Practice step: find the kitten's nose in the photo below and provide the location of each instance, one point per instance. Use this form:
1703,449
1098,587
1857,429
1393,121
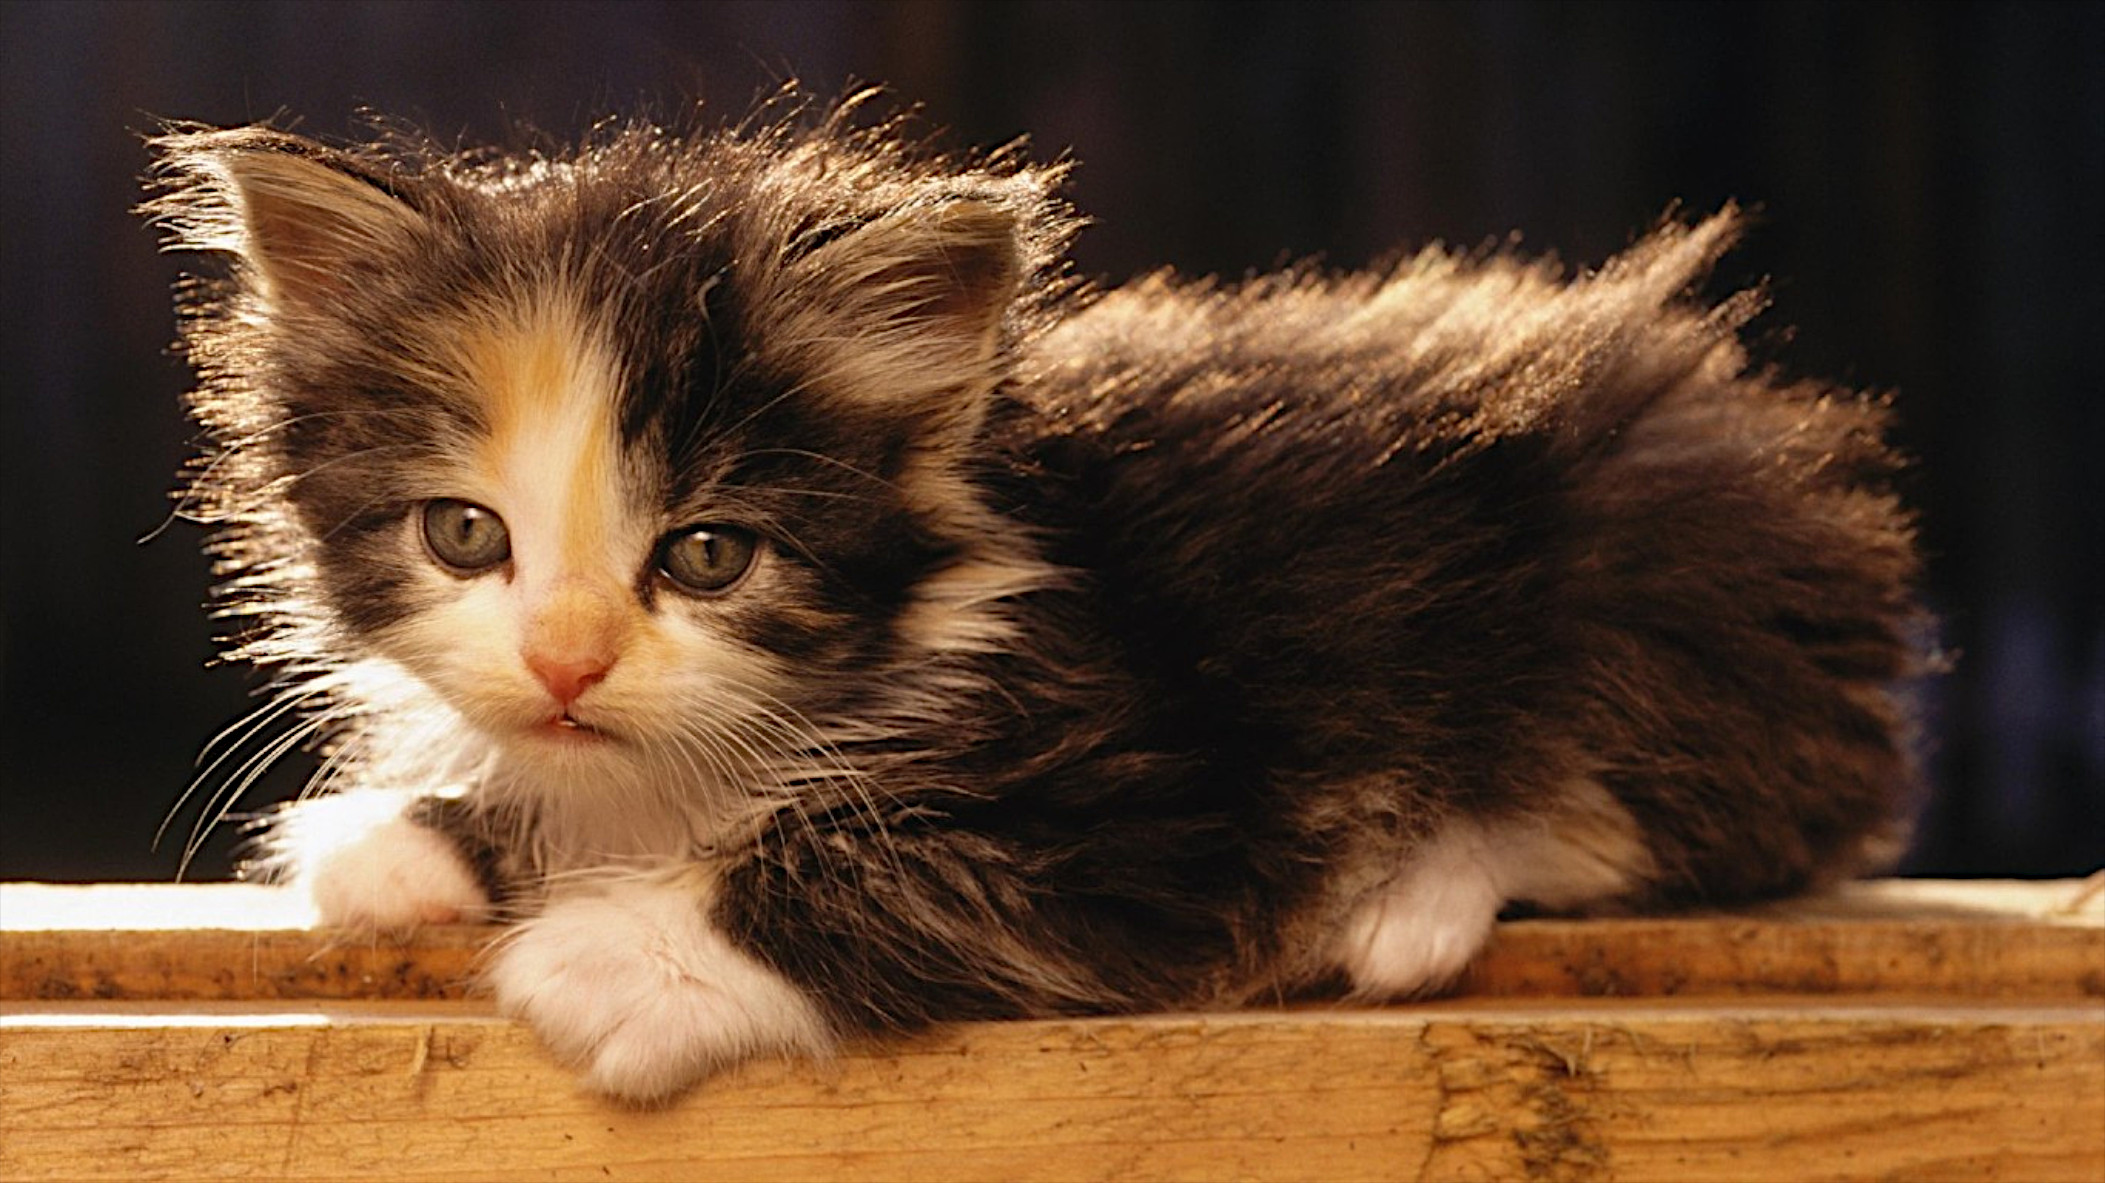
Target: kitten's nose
567,677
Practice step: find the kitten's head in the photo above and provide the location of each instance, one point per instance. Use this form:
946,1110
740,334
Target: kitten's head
638,456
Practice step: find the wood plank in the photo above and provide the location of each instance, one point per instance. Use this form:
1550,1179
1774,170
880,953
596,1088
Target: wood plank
1982,940
1762,1089
1897,1029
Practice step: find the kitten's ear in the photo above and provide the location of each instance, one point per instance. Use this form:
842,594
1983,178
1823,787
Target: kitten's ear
908,307
954,268
299,214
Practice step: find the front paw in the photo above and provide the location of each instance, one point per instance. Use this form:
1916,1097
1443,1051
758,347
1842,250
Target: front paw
364,865
628,980
1417,934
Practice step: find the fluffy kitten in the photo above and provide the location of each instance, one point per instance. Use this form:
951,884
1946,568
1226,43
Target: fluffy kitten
746,565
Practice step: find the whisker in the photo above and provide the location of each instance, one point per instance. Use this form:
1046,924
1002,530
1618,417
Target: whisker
248,726
790,392
245,778
821,457
771,718
200,480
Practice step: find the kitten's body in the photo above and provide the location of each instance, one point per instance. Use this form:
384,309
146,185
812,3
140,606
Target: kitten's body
1178,646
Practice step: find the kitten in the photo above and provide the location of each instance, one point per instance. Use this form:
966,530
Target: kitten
746,564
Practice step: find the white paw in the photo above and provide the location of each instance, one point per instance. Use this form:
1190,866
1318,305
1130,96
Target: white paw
365,866
1418,933
627,980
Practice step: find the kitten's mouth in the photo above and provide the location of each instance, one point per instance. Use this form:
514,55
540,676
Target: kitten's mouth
564,728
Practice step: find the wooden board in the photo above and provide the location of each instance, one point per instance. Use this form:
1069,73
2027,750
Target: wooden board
1629,1051
1482,1091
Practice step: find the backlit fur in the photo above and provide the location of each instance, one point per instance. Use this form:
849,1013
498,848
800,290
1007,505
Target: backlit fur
1182,644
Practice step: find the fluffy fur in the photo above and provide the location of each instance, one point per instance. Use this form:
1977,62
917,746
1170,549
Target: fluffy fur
1186,644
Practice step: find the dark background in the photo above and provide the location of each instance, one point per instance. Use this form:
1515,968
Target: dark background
1929,178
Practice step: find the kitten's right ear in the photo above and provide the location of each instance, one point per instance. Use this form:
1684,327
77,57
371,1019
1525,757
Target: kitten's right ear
299,214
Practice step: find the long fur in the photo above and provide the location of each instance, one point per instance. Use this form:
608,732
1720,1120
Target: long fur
1187,643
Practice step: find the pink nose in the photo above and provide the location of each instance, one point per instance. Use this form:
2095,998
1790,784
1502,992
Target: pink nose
567,678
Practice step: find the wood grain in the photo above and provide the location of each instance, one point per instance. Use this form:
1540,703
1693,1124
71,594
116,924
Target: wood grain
1459,1091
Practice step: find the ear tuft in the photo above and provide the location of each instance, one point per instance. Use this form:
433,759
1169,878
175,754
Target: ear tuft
299,214
969,273
945,272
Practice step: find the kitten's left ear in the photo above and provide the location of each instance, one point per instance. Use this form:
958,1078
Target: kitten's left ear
300,214
908,308
953,269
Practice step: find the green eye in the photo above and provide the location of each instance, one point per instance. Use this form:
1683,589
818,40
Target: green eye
464,537
704,559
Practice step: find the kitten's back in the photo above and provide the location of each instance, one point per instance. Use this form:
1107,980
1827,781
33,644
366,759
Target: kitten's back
1489,535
